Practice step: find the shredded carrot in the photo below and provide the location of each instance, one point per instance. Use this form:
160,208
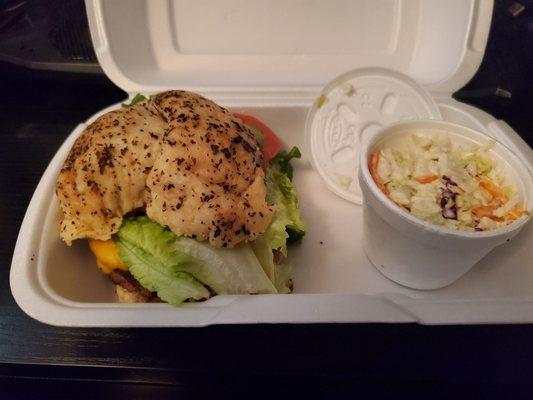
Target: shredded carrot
373,168
425,179
494,191
486,211
515,213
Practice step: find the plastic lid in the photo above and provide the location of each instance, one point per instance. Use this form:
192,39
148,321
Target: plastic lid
350,110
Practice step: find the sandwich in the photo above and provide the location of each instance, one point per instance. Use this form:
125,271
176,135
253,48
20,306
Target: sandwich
181,200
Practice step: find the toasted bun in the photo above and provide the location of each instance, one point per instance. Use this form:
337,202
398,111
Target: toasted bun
190,163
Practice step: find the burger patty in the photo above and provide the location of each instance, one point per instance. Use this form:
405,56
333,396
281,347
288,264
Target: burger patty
134,291
190,163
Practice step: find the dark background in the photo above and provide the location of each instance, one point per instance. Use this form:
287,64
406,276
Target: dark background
38,109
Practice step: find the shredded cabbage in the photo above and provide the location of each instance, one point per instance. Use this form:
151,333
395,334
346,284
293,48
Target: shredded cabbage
459,187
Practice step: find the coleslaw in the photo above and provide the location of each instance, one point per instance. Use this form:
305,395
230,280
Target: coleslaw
460,187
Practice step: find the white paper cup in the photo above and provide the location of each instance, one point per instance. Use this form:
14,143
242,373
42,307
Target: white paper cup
418,254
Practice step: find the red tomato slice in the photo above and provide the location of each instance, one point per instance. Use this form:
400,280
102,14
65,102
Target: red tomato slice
271,145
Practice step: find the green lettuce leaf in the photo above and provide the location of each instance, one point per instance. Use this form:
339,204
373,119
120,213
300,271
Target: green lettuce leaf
137,99
172,266
282,161
146,248
295,235
287,226
225,271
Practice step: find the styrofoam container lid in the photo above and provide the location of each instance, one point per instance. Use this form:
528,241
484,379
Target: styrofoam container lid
349,111
283,52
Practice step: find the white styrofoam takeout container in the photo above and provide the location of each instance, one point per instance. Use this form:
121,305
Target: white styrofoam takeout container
421,255
271,59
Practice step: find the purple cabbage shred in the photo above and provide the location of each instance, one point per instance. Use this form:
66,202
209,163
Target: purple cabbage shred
447,202
449,181
450,212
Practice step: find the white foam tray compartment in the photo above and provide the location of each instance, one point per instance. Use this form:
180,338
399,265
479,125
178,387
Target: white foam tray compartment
277,80
333,279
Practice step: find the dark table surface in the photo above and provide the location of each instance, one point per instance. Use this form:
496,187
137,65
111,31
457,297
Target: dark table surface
39,110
